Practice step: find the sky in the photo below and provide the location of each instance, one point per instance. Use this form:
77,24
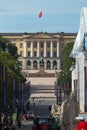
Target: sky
57,15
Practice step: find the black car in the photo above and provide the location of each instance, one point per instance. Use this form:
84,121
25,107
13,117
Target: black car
44,123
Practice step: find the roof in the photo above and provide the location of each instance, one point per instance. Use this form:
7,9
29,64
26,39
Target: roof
79,118
82,31
37,33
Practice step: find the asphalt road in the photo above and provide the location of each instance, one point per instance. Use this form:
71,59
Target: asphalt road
41,97
27,125
44,96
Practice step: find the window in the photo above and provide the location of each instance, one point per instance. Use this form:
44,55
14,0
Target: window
28,63
29,44
48,44
35,45
35,65
48,65
28,53
20,45
35,53
54,65
14,44
54,54
62,45
21,53
48,54
42,53
55,44
41,44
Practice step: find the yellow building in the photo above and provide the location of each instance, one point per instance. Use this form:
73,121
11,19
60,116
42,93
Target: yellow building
33,46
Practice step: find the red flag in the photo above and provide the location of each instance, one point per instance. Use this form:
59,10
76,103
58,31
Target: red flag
40,14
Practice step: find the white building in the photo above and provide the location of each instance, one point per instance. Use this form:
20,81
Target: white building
79,71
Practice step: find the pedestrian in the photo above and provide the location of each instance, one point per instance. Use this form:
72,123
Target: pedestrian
19,118
2,120
25,116
14,118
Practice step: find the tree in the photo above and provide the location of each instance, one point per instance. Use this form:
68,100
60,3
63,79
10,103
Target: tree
8,58
65,74
5,45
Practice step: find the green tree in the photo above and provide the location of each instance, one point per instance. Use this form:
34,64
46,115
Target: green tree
65,74
8,58
5,45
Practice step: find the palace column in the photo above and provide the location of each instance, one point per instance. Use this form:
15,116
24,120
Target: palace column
25,54
38,49
57,49
45,49
31,49
25,49
51,49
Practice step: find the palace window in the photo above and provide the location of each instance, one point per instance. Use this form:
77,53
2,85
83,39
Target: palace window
35,45
62,45
21,45
29,63
42,53
35,65
48,44
35,53
48,53
21,53
29,53
54,44
54,64
54,54
14,44
29,44
41,44
48,65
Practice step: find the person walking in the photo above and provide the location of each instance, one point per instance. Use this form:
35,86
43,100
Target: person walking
19,119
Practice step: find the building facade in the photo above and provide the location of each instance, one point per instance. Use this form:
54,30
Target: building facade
32,47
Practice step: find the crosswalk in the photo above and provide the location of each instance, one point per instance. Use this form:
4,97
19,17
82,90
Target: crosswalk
42,92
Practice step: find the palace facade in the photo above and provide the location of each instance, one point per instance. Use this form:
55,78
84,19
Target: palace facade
34,46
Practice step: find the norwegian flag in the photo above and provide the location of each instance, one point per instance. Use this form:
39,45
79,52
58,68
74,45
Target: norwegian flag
40,14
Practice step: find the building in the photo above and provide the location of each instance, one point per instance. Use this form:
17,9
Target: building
79,72
34,47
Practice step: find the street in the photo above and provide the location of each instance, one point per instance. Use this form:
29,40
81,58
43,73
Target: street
27,125
43,98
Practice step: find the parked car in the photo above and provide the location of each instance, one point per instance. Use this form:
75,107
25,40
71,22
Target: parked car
44,123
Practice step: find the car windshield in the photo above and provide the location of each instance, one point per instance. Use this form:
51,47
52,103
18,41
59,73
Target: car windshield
43,120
